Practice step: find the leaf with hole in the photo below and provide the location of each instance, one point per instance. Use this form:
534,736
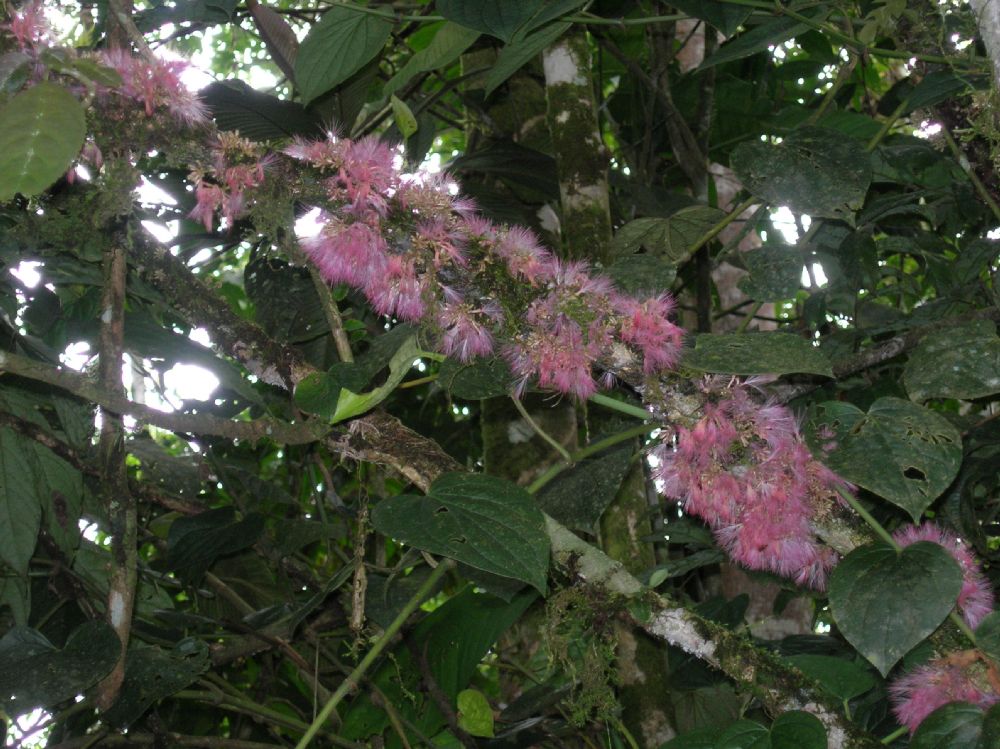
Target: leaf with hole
903,452
41,132
338,46
483,521
814,171
885,602
961,362
756,353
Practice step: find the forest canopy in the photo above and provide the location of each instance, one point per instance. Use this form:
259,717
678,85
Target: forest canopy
500,374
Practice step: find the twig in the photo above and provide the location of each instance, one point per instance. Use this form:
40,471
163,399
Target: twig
538,430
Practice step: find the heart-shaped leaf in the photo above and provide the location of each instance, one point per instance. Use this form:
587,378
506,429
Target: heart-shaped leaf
483,521
957,725
885,602
898,450
756,353
496,19
41,132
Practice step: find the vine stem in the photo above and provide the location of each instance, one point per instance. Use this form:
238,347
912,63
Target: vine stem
538,430
620,406
354,677
586,452
734,214
963,162
894,735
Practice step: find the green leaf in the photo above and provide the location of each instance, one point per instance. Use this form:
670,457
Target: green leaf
256,115
699,738
671,237
726,17
844,679
20,510
939,85
338,46
152,673
496,19
814,171
775,272
15,67
798,730
195,542
33,673
578,497
957,725
645,273
483,521
480,378
756,353
961,362
757,39
678,567
515,55
898,450
15,594
404,118
988,635
475,715
885,602
450,41
41,132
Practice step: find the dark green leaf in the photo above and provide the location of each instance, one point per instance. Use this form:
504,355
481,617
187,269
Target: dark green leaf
744,734
898,450
814,171
757,39
797,730
480,378
957,725
403,116
939,85
961,362
988,635
844,679
195,542
512,162
684,565
775,272
699,738
14,70
578,497
257,116
33,673
20,509
15,595
41,132
483,521
496,19
152,673
338,46
706,706
642,274
726,17
885,602
671,237
756,353
521,51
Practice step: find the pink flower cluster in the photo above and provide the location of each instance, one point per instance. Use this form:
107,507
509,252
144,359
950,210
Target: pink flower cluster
237,166
28,25
960,677
744,469
976,599
155,84
420,254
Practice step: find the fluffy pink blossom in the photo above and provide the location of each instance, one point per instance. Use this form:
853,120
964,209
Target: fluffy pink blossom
976,598
209,197
348,253
466,330
645,324
560,359
325,153
156,85
445,243
744,469
959,677
398,290
525,256
28,25
366,175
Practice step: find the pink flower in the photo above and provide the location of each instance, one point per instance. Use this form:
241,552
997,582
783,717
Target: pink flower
347,253
525,256
466,332
645,325
367,175
28,25
976,599
959,677
326,153
445,243
398,290
156,85
209,199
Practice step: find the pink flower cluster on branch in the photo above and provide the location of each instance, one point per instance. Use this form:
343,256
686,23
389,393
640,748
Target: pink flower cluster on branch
237,167
965,676
420,254
744,469
156,85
